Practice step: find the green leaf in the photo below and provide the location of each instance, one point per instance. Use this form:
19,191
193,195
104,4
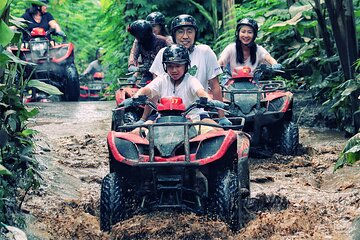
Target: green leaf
292,22
6,34
2,6
4,138
203,11
49,89
349,90
4,171
354,149
351,152
9,56
298,9
29,132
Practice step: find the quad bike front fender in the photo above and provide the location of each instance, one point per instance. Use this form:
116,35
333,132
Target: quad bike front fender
132,149
286,99
123,93
62,53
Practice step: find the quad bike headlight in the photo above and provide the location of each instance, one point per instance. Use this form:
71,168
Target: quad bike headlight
40,48
127,149
209,147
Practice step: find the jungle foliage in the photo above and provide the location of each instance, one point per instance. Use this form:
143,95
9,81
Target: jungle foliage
298,34
18,168
350,154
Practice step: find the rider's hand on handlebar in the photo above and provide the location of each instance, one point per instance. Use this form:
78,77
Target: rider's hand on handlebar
61,33
217,104
277,66
132,68
127,102
224,121
131,79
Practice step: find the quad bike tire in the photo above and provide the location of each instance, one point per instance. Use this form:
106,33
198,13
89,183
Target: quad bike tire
227,199
115,120
289,138
71,85
112,201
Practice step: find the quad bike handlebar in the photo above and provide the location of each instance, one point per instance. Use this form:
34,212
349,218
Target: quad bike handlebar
264,70
52,31
200,103
138,69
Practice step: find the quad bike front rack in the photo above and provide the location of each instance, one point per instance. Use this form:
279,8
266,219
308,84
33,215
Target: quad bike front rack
187,125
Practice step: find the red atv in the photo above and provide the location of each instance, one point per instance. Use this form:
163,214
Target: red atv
266,106
93,90
54,63
175,163
130,115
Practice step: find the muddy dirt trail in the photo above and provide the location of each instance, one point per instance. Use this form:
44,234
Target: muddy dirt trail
291,197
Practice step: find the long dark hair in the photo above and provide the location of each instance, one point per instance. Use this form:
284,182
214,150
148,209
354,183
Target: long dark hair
163,31
34,9
240,54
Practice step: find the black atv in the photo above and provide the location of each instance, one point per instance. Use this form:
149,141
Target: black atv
54,63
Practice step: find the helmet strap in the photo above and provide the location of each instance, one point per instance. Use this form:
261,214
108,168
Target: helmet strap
191,49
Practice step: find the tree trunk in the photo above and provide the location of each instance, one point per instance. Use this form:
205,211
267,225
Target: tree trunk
228,14
341,13
215,18
325,34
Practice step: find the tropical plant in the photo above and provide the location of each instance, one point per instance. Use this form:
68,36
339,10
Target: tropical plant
17,166
351,152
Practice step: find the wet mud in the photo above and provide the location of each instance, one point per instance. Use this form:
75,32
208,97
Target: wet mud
292,197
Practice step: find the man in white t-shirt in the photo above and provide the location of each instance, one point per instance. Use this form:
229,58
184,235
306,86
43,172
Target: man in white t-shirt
176,81
203,60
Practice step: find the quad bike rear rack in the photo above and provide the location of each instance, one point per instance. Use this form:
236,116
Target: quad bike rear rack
266,86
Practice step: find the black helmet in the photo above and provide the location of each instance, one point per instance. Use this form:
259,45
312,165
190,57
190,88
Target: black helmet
248,22
176,54
140,29
182,21
156,18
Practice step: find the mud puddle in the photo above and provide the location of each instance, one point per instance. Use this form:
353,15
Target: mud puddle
291,197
